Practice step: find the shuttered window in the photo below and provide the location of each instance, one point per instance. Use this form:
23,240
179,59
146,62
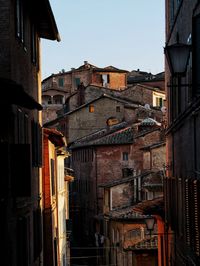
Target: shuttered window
20,170
36,144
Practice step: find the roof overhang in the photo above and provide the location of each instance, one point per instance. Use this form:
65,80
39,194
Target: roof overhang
45,21
55,136
151,207
13,93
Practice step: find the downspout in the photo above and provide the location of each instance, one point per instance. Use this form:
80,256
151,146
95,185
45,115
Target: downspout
56,189
96,180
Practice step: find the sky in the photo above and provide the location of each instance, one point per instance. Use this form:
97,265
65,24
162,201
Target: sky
127,34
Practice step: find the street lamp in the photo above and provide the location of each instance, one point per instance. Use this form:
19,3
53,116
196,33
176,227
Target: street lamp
177,57
150,222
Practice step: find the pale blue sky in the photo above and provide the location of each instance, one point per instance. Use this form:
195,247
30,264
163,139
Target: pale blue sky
128,34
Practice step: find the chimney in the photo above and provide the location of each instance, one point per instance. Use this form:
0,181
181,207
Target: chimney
85,62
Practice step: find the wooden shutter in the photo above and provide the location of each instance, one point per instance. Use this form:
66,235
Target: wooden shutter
20,170
4,180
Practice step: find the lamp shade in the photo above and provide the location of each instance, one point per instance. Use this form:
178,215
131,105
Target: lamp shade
177,57
150,221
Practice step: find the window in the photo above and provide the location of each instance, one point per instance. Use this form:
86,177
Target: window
91,108
105,79
77,82
58,99
125,156
159,101
127,172
175,98
20,25
61,82
117,108
50,100
33,45
36,144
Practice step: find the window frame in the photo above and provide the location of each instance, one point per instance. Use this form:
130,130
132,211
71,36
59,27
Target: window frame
125,156
91,108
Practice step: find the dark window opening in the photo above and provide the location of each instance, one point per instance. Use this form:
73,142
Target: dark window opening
61,82
105,79
125,156
19,11
77,82
33,45
127,172
117,108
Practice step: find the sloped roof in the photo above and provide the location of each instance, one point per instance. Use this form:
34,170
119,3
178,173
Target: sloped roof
154,145
86,66
123,136
55,136
126,213
100,69
151,207
118,99
101,132
46,25
149,122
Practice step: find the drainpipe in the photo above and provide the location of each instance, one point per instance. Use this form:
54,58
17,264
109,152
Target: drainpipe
96,180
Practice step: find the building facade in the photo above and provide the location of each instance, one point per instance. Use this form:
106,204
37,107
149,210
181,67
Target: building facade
112,158
57,88
21,27
183,145
55,200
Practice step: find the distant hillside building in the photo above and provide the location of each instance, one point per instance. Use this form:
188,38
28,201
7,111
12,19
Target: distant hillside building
58,87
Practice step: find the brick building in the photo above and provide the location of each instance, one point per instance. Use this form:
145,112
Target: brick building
183,142
138,103
151,94
126,239
58,87
135,77
21,27
109,156
55,199
124,229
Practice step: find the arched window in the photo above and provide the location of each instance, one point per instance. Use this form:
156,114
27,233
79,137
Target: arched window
46,99
58,99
